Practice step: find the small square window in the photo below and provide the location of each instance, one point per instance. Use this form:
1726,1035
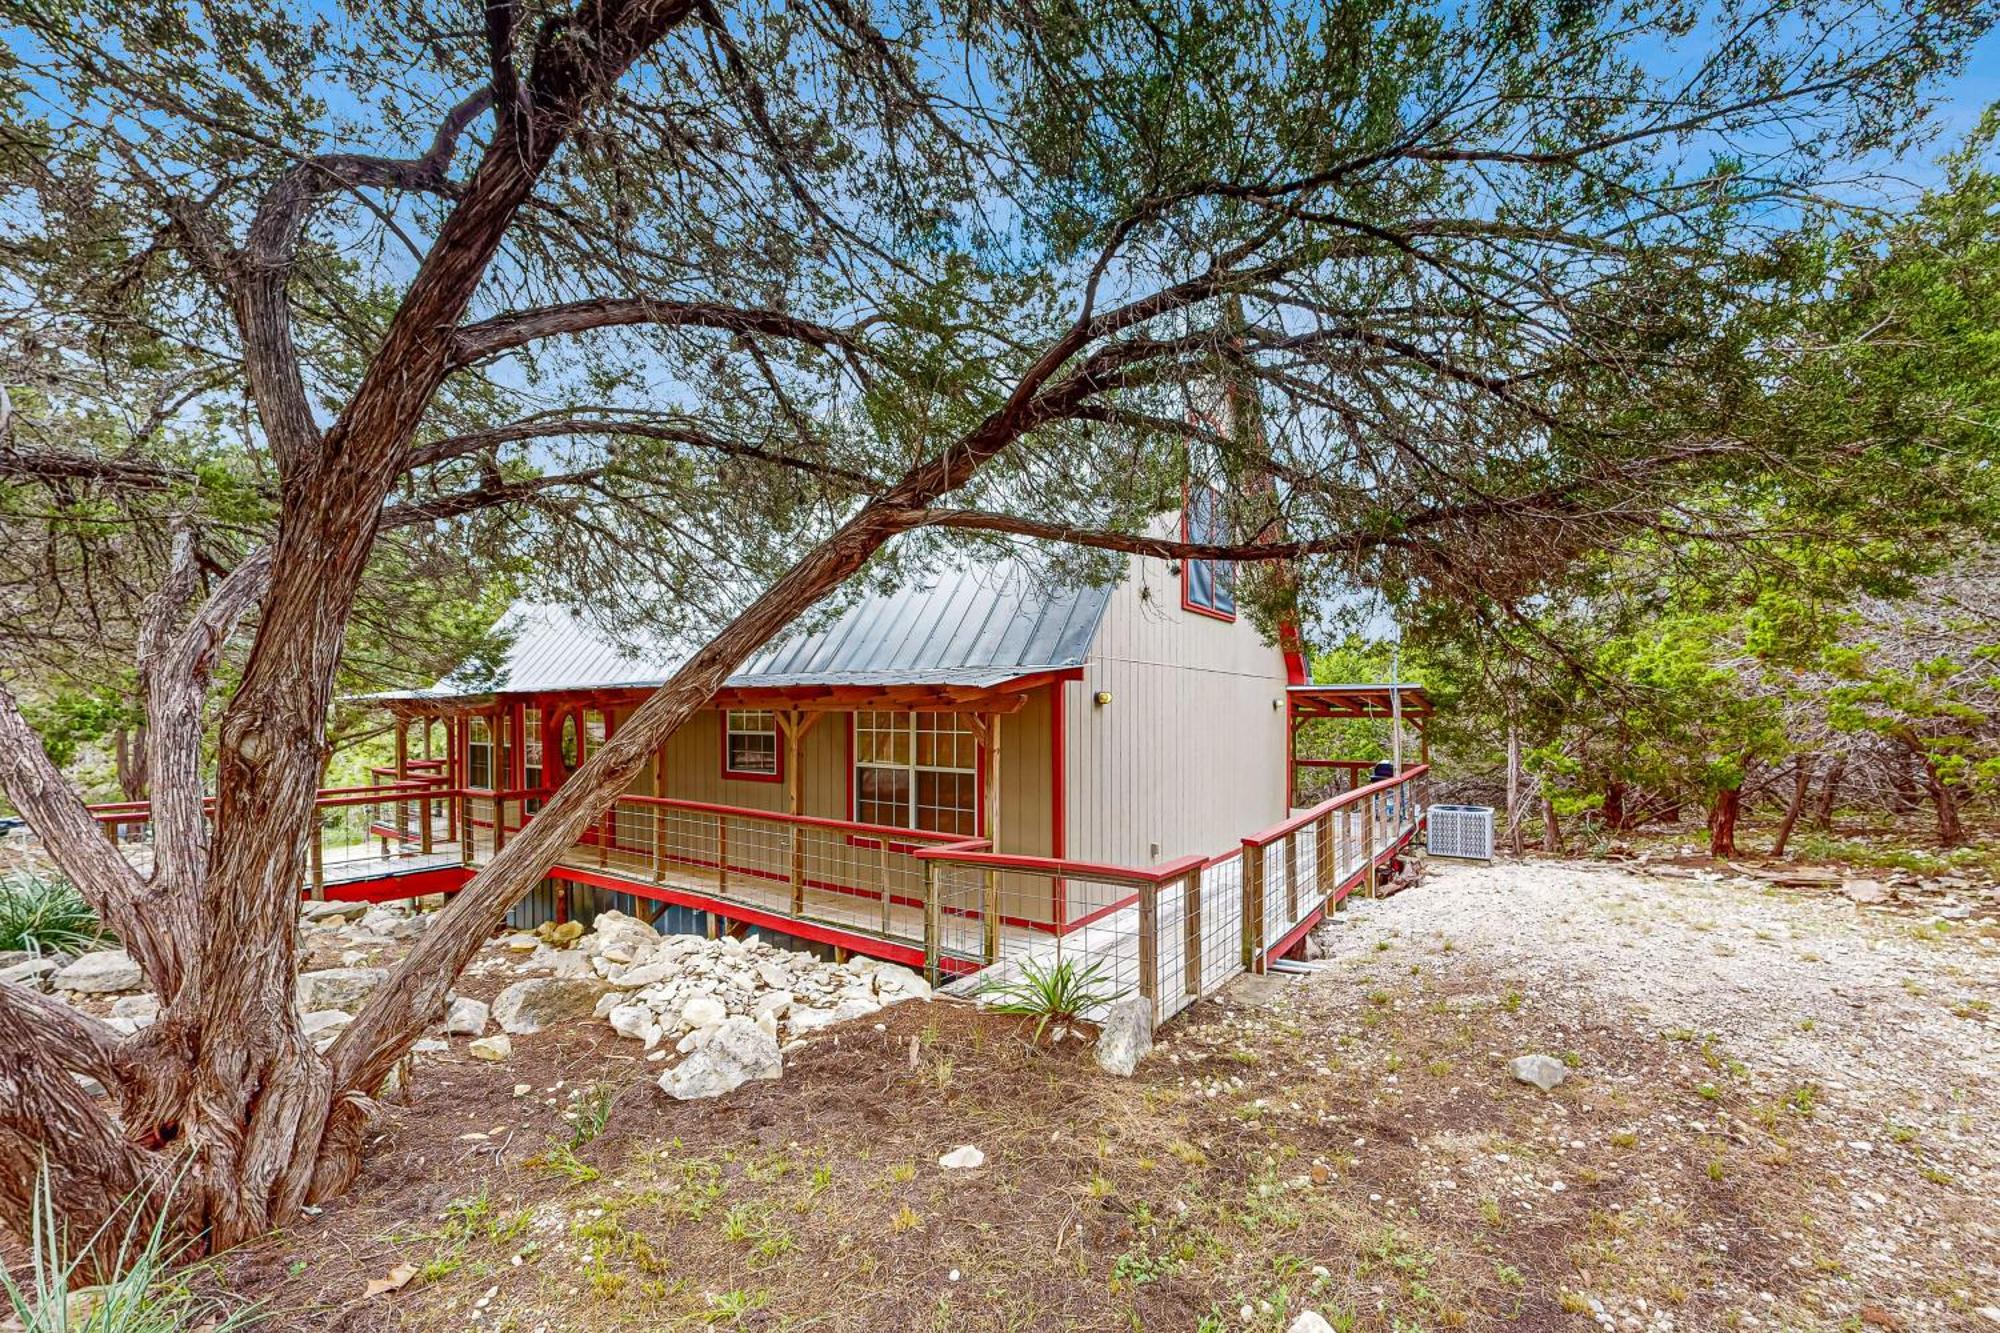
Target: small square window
750,743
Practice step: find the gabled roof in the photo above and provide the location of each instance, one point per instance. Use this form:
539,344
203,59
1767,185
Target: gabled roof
968,627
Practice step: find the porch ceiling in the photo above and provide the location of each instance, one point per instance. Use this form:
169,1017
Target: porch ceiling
1359,701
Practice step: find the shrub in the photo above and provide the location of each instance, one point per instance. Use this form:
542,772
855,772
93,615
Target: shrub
1062,992
45,914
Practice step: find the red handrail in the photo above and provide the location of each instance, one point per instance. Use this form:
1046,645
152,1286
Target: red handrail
780,816
1355,797
967,853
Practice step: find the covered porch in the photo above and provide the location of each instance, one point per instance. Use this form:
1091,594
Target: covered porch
1313,775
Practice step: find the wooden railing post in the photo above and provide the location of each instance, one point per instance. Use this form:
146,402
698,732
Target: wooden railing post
1191,922
722,853
1253,908
1292,878
1326,864
424,834
1368,844
1149,946
499,823
462,810
882,870
931,922
606,823
319,857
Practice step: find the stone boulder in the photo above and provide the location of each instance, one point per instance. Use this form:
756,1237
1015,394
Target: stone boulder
496,1047
617,932
337,987
31,972
466,1017
529,1006
107,972
1543,1071
1125,1035
737,1051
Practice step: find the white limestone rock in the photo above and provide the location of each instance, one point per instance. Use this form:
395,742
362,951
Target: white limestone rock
31,972
106,972
496,1047
773,1002
1310,1321
529,1006
1543,1071
621,933
737,1051
637,1022
337,987
324,1020
1125,1035
466,1017
142,1008
965,1157
703,1011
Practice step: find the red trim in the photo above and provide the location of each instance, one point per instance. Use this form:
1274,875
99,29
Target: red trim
388,888
1295,934
733,775
1186,578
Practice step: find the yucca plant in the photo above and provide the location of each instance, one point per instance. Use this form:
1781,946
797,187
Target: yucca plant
1060,992
144,1296
45,914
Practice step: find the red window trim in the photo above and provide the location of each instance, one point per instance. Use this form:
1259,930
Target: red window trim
737,775
1188,603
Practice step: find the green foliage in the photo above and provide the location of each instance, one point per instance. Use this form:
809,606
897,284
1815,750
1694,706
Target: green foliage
46,1295
1059,992
44,913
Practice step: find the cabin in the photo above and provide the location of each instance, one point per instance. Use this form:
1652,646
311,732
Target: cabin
976,767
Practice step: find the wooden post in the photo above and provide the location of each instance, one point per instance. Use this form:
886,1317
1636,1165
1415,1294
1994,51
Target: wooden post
1149,946
991,916
319,857
660,814
1368,844
1292,877
1253,908
931,922
1326,861
402,776
1191,920
882,872
722,853
795,724
499,822
455,774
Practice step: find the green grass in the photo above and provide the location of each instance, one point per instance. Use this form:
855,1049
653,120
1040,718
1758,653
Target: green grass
45,914
48,1293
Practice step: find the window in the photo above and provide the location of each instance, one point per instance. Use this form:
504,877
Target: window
916,770
594,731
531,756
750,744
1207,586
479,754
566,744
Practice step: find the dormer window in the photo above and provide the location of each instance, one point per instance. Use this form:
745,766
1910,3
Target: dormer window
1207,586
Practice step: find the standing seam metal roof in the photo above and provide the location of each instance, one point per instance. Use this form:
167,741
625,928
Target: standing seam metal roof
976,627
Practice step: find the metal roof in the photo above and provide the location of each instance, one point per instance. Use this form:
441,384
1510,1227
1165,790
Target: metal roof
973,627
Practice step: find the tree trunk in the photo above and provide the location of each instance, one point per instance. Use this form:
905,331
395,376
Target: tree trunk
1514,788
1614,807
1722,822
128,747
1552,838
1829,792
1950,829
1802,772
1907,791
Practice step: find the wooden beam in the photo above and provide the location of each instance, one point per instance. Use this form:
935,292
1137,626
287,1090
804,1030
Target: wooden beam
991,728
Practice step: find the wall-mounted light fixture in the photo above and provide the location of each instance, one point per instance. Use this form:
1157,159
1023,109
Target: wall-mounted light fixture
1103,697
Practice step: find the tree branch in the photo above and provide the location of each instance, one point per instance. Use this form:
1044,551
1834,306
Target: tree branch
490,337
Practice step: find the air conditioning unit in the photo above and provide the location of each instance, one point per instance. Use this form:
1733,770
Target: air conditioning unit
1462,831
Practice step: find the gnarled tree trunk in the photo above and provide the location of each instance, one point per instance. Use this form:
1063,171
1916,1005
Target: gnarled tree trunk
1802,773
1722,813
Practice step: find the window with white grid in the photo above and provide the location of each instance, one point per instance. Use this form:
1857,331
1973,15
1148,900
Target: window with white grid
531,755
750,743
916,770
479,754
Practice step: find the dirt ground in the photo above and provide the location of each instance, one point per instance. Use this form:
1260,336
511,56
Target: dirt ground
1780,1113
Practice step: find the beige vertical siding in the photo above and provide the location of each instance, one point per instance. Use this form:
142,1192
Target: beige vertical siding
1189,755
